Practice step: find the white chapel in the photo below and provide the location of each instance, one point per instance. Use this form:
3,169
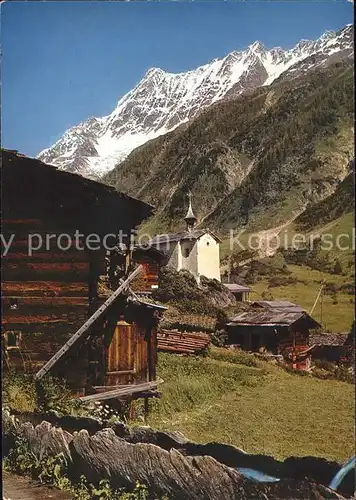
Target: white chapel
196,250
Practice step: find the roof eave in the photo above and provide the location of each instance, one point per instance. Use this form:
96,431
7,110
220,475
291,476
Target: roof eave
145,207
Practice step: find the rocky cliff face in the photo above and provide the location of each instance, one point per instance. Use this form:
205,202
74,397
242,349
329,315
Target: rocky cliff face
162,101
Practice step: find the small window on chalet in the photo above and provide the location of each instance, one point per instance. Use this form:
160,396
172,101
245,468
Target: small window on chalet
207,243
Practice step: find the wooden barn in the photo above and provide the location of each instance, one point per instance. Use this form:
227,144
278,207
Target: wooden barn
329,346
57,228
275,332
240,292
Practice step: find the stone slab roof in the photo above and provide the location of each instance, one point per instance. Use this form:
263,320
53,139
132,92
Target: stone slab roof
330,339
280,305
234,287
271,318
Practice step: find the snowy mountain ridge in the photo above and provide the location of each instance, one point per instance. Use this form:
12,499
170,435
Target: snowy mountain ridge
162,101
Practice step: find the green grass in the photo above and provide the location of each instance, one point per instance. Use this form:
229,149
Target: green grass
193,380
335,317
261,408
342,226
19,391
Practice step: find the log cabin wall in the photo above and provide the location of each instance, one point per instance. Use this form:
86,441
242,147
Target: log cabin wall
276,339
148,279
295,341
331,353
251,338
296,336
292,337
150,273
48,295
151,260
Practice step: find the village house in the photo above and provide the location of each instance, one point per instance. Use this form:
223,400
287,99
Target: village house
195,250
329,346
55,317
276,332
294,331
240,292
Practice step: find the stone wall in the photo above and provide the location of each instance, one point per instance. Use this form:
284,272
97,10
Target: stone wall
167,462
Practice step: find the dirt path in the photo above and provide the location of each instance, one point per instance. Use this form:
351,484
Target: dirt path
22,488
267,237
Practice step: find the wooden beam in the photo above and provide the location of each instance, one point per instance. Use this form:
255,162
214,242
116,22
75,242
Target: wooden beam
84,329
120,391
106,388
26,222
122,372
52,256
44,288
21,242
56,302
50,327
29,320
67,271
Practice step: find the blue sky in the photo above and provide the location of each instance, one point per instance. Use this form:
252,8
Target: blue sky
66,61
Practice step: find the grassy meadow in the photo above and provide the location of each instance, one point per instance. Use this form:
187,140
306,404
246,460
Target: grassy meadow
233,398
340,237
229,397
335,311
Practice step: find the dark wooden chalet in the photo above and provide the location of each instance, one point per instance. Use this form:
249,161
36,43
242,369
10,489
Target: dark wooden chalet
329,346
275,332
60,225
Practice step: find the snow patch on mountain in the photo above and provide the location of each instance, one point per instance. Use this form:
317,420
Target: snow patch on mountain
162,101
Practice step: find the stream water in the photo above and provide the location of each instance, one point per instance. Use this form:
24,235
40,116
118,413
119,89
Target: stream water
19,488
261,477
339,476
257,475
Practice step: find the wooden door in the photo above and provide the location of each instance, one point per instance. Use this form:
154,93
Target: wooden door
121,353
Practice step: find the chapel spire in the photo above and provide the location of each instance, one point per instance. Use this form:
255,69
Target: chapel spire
190,218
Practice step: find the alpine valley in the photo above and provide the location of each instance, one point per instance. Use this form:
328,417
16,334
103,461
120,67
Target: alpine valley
259,137
162,101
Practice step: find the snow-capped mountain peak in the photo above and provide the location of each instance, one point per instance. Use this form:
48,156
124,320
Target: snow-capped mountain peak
257,47
161,101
